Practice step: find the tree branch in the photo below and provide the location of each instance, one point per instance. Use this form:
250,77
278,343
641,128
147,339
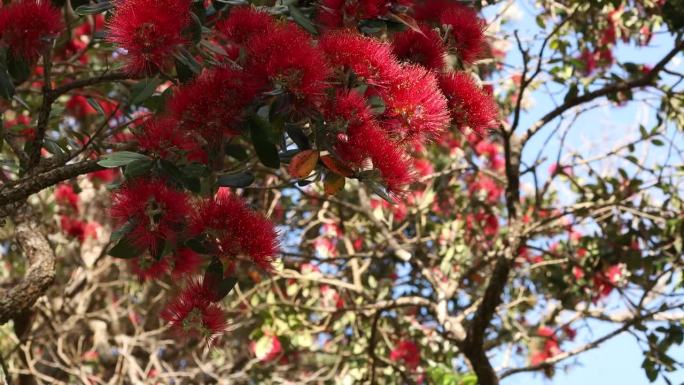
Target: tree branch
644,81
41,270
36,183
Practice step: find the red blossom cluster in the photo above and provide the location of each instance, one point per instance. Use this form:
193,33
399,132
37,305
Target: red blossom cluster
406,352
73,227
375,102
371,106
150,32
27,27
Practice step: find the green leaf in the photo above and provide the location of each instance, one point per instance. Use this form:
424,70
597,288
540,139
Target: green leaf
138,168
184,72
6,85
123,230
121,158
143,90
377,105
236,151
53,147
265,150
298,136
301,19
124,250
657,142
242,179
94,9
18,68
196,245
175,174
572,93
93,103
186,58
217,283
225,286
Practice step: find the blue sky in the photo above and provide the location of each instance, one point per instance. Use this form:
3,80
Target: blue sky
618,361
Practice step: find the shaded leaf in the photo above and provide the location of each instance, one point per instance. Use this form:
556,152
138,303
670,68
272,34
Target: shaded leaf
301,19
242,179
123,249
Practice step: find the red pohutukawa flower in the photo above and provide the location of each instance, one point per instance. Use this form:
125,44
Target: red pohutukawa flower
157,211
415,107
430,10
234,230
194,314
370,59
344,13
147,267
426,48
287,59
26,27
150,31
469,105
161,138
243,23
364,140
66,196
185,261
407,352
467,30
213,104
369,141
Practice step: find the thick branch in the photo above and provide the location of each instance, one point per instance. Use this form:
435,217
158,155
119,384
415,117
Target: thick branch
41,270
36,183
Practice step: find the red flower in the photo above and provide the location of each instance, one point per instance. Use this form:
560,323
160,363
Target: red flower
415,107
185,261
236,230
149,31
430,10
467,30
162,138
27,25
157,211
370,59
368,141
589,60
245,22
408,352
145,266
364,140
469,105
213,104
426,49
104,176
78,229
193,313
341,13
287,59
65,195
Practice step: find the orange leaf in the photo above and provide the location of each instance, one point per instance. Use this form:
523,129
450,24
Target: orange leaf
336,166
303,163
333,183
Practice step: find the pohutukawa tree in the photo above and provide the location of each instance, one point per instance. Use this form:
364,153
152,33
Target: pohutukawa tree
337,191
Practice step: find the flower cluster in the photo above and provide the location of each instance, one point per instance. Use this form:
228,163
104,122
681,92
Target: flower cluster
363,108
149,31
27,27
